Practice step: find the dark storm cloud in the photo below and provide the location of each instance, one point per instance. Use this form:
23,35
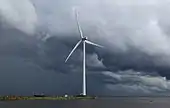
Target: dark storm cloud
129,28
134,33
29,65
134,59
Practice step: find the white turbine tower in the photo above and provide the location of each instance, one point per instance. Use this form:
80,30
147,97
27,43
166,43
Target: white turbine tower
84,41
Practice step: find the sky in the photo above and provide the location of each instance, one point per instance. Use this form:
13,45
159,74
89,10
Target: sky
37,36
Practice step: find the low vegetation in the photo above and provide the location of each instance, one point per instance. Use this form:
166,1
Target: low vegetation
11,98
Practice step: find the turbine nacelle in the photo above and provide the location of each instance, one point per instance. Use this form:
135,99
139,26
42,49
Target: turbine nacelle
84,38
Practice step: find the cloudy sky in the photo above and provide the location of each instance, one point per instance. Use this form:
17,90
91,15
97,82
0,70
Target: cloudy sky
37,35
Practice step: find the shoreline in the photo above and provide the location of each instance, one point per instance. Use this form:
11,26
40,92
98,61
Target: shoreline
15,98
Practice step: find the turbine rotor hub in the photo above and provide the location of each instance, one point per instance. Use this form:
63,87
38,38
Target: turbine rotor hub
84,38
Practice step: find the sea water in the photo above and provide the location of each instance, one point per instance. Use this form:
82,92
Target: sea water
96,103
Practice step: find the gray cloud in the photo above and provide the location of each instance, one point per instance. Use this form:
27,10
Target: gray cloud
132,81
22,17
119,25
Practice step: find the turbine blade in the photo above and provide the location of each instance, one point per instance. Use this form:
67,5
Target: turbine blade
78,24
73,50
89,42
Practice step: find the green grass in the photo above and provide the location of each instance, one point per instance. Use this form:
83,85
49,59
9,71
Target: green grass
11,98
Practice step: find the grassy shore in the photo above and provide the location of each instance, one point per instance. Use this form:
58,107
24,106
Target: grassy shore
12,98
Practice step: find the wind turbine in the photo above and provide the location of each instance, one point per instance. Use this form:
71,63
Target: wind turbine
83,40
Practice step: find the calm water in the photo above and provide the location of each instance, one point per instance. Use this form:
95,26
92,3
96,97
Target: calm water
98,103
